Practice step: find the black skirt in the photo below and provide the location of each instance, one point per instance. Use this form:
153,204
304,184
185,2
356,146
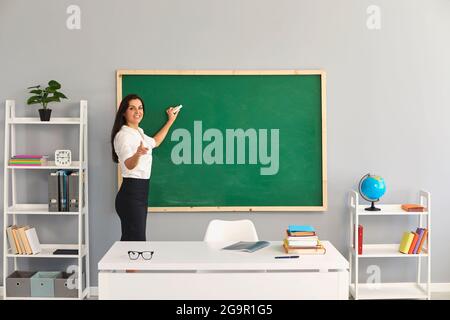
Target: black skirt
131,206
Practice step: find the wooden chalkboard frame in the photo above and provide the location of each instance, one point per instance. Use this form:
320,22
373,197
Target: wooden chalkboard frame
324,207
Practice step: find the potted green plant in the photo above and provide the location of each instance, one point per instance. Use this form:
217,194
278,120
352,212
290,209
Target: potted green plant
45,96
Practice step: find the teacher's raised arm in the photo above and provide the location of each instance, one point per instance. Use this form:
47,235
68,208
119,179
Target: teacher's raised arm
172,114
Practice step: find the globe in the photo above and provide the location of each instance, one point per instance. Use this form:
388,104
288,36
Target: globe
372,188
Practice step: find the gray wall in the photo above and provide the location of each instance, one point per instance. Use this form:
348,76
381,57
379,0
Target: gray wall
388,99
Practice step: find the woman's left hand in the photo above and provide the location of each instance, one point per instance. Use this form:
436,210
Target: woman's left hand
172,117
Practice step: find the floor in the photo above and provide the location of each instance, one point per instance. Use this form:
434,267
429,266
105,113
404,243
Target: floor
440,296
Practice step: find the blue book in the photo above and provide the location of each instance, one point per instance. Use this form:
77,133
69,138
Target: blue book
295,228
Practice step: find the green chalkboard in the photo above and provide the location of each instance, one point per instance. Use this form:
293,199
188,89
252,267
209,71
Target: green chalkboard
243,141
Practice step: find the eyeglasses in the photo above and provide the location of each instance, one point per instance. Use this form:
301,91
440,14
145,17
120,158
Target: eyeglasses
146,255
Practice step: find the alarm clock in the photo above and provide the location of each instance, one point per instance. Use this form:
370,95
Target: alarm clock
63,157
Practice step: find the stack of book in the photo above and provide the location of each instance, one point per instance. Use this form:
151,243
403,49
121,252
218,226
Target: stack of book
302,240
412,242
23,240
28,160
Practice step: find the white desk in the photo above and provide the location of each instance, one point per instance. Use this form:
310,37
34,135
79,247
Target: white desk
183,270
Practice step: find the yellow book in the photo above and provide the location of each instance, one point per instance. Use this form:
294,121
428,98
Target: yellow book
23,237
406,242
17,239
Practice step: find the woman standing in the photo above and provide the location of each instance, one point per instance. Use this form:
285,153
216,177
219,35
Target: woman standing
132,149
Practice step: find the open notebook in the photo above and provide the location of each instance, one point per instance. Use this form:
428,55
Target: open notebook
247,246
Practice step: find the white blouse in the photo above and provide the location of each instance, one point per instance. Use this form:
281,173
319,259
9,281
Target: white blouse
126,143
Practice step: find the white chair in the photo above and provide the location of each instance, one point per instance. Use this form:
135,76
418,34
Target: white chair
237,230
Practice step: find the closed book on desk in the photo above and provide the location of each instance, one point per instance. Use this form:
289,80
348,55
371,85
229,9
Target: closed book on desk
297,228
302,243
318,249
300,233
295,238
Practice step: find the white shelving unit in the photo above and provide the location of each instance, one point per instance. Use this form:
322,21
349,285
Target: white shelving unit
403,290
13,210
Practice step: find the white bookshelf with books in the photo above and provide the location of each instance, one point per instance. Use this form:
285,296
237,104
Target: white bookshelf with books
21,239
420,288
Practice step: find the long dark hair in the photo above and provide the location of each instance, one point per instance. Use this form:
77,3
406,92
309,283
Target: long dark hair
120,120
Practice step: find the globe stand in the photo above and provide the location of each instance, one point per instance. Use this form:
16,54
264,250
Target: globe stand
372,207
377,185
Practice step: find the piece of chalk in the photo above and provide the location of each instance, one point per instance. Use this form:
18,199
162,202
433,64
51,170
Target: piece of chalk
177,108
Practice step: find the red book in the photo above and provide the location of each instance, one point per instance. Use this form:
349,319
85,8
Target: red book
413,243
360,239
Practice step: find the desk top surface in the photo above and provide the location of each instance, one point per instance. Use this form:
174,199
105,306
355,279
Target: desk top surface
200,255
